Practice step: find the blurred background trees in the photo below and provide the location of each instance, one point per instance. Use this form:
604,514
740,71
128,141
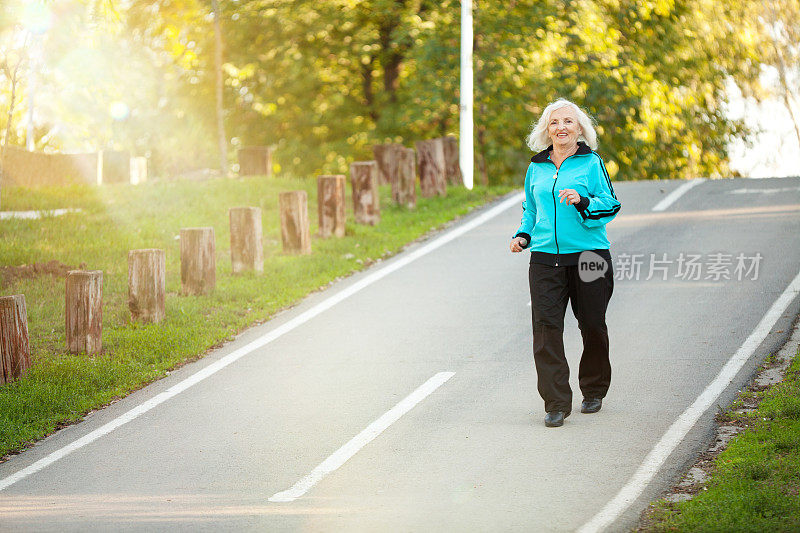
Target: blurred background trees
324,80
781,21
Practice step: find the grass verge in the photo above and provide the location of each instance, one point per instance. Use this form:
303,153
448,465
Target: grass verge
755,482
61,388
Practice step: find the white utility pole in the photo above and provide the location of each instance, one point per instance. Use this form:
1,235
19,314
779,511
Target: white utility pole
466,158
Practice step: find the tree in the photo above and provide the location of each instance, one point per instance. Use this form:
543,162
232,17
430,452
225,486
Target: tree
222,138
654,82
325,80
14,41
781,19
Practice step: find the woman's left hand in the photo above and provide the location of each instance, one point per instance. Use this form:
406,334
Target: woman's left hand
570,195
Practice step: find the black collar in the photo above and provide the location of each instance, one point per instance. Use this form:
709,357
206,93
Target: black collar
544,155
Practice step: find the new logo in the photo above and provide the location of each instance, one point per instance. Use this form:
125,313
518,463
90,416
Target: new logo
591,266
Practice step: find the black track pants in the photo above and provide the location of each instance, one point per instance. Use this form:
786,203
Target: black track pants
551,287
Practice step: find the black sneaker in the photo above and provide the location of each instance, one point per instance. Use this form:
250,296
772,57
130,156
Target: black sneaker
555,419
591,405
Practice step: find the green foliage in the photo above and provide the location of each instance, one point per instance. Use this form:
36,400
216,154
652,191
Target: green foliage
333,78
323,81
62,387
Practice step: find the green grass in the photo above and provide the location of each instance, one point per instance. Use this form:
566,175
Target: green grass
61,388
755,486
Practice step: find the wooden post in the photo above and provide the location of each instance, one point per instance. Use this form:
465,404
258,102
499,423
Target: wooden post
330,205
295,234
404,191
247,248
84,311
15,353
198,261
366,202
138,170
430,159
255,161
452,169
386,156
147,281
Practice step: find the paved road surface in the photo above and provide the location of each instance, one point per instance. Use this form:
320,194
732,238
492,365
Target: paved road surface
473,453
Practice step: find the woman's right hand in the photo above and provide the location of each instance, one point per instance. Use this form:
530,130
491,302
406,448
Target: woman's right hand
518,243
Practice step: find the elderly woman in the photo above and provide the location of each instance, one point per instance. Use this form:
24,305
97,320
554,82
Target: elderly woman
568,202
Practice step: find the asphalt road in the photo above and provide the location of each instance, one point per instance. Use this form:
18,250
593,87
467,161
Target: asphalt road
472,454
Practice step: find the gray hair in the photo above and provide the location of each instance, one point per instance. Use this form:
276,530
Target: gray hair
539,139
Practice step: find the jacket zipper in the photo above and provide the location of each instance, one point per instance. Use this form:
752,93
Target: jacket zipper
555,218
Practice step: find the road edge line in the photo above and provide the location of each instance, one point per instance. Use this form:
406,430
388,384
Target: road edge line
631,491
260,342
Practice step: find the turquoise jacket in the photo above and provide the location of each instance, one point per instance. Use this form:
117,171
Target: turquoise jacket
557,229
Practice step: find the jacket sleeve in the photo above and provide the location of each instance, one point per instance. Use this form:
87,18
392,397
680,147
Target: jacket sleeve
528,210
602,205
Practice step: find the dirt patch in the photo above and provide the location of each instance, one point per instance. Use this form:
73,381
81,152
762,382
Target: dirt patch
10,274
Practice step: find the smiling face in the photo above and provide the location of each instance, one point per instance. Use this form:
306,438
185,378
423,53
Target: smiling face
563,128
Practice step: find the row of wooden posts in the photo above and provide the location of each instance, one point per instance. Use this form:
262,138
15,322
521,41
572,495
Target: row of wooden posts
436,162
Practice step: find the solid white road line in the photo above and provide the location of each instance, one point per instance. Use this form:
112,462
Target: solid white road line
678,430
677,193
281,330
340,456
764,191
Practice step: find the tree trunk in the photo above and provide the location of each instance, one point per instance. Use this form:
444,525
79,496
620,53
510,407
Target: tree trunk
330,205
391,75
785,90
366,85
8,133
12,101
782,77
366,202
147,278
295,233
15,353
255,161
247,249
84,311
394,44
452,169
223,143
386,156
482,151
480,75
404,190
430,160
198,261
